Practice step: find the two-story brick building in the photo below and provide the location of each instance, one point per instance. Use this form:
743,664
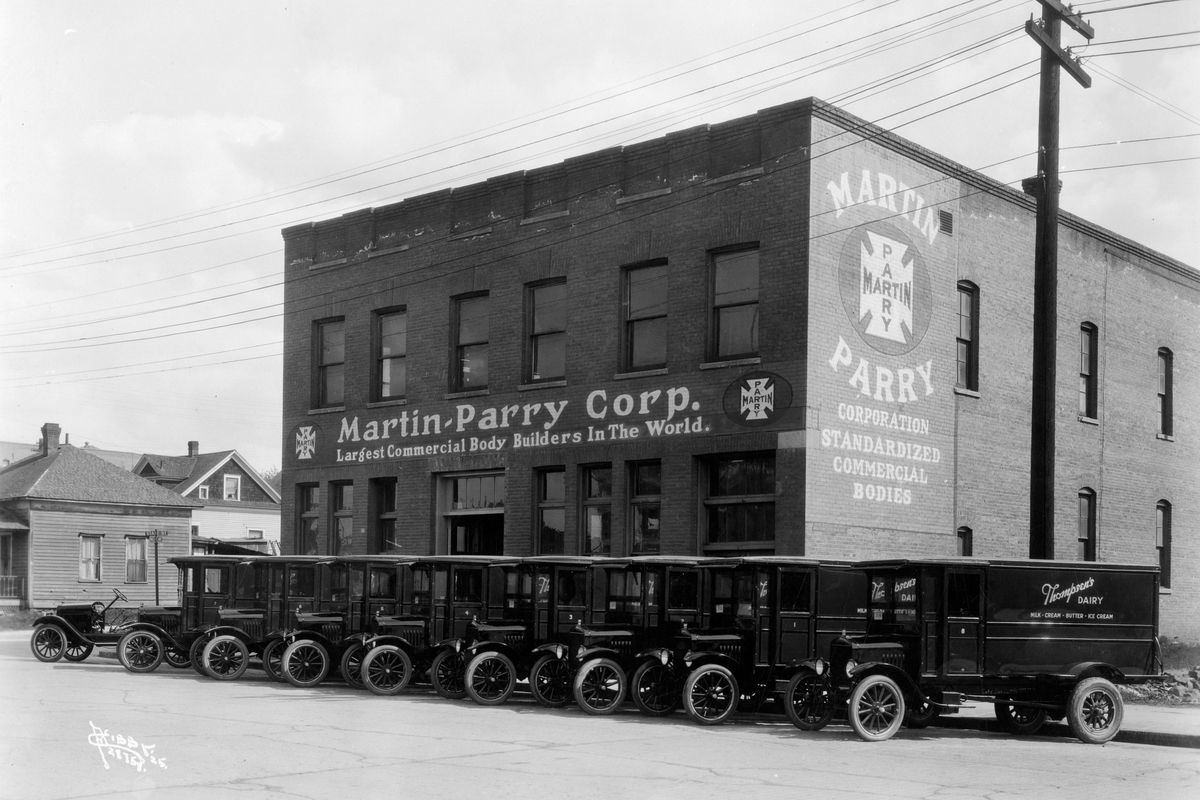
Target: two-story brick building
793,333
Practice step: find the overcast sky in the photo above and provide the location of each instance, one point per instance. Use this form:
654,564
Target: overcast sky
153,151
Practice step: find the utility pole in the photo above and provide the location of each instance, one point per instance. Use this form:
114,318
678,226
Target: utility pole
1045,283
156,536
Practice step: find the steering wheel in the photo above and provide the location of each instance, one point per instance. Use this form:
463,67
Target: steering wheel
119,595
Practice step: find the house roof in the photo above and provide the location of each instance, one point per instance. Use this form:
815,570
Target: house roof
187,472
11,521
70,473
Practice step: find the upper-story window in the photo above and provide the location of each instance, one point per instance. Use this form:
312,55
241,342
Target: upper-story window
645,300
329,355
734,324
551,510
968,336
1162,541
472,328
382,497
391,349
203,492
1086,550
546,322
308,522
1088,346
232,487
966,542
1166,366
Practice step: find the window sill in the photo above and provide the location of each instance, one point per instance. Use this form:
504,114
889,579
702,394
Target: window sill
540,218
467,393
633,198
1164,590
1166,437
967,392
471,234
327,410
770,545
645,373
395,401
749,361
746,174
529,387
335,262
1088,420
387,251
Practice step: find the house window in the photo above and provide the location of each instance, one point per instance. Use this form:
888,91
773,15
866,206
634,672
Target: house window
645,505
646,317
391,350
308,524
966,542
330,357
6,554
382,498
203,492
741,498
734,324
1086,550
547,325
232,487
254,533
551,511
968,336
597,510
472,331
1162,541
1087,370
135,559
89,557
1166,358
341,528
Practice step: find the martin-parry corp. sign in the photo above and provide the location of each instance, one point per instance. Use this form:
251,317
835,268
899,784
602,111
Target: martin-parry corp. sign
599,416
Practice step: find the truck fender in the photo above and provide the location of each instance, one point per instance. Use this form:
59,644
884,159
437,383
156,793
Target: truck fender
228,630
53,619
895,673
809,666
695,659
1097,669
392,639
455,644
557,649
489,647
662,655
150,627
600,651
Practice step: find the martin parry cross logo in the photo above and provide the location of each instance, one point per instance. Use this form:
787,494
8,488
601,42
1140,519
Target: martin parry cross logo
758,398
306,442
885,288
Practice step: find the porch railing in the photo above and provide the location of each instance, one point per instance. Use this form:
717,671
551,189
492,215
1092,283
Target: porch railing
12,586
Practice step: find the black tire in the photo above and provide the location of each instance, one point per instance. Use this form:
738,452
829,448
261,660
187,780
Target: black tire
196,655
140,651
350,665
599,686
807,702
550,681
48,643
710,694
1020,720
78,651
1095,711
446,674
490,678
876,708
272,659
920,716
654,689
305,663
225,658
386,670
174,657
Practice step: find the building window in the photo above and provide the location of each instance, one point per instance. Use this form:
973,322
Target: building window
646,317
645,503
1166,359
1087,370
472,507
968,336
330,357
966,542
597,510
741,498
547,326
1162,541
472,331
135,559
308,526
734,325
391,349
254,533
6,554
382,498
1086,550
203,492
341,528
551,511
89,557
232,487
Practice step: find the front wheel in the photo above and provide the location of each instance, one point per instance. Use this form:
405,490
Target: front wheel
710,694
490,678
446,675
599,686
272,659
654,688
196,655
48,643
78,651
305,663
876,708
1095,711
225,658
550,681
386,670
1021,720
351,665
807,702
140,651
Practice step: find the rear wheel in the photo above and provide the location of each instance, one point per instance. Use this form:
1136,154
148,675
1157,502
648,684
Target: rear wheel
140,651
807,702
196,655
550,681
876,708
48,643
78,651
272,659
446,674
710,694
1021,720
1095,711
225,658
654,689
305,663
600,686
175,657
351,666
490,678
386,670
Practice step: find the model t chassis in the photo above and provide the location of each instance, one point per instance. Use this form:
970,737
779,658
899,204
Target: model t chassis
1037,639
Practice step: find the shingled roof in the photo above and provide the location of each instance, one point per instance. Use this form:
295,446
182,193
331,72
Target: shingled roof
69,473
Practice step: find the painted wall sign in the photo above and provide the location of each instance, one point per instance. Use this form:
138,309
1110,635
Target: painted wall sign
757,399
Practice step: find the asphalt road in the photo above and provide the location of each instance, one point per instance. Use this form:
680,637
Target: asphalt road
69,729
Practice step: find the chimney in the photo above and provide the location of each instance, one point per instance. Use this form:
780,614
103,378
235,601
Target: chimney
193,449
50,433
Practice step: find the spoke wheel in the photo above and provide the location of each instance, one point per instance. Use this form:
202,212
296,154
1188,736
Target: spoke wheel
1095,711
196,655
600,686
305,663
225,658
176,658
876,708
807,702
490,678
446,674
710,694
140,651
386,670
1021,720
550,681
654,689
272,659
350,666
78,651
48,643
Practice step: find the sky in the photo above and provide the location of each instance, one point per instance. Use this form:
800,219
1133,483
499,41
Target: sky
153,151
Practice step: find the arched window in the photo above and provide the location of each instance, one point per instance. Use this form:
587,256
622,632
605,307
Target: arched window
966,542
1162,541
1087,525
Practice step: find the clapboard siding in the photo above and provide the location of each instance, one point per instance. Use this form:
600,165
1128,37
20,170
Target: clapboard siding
223,522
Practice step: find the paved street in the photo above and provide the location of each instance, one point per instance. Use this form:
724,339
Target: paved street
255,739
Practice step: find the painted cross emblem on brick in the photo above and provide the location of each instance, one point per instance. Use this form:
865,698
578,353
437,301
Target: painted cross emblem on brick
306,442
758,398
886,289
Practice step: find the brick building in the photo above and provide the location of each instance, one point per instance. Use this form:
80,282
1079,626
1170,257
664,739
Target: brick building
792,333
